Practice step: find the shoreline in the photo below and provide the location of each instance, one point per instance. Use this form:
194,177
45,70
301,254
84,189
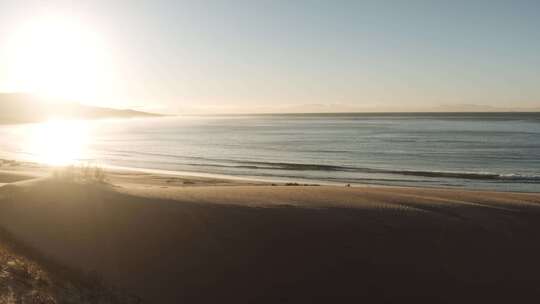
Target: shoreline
32,169
438,158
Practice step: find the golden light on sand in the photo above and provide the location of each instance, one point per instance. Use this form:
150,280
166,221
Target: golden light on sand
57,57
58,142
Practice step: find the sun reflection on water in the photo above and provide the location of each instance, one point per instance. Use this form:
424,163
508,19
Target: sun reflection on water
58,142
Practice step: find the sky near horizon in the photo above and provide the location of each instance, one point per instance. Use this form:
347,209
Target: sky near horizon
249,56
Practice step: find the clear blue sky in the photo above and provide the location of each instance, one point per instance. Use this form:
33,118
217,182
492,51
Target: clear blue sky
228,55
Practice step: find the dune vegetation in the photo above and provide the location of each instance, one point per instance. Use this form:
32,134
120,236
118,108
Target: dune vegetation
28,277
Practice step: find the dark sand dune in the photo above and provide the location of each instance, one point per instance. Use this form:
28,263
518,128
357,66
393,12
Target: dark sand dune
263,244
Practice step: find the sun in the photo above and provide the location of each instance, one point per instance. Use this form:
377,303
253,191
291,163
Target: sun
57,57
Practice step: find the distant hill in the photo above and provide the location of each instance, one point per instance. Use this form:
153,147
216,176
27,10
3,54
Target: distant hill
23,108
482,108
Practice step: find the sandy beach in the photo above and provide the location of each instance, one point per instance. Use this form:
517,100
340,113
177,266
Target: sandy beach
169,152
173,239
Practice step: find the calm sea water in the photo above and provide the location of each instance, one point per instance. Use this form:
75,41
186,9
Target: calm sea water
483,151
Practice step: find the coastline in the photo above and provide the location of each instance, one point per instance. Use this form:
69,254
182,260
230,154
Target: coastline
14,170
28,169
366,149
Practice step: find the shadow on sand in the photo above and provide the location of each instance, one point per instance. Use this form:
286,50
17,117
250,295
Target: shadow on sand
169,251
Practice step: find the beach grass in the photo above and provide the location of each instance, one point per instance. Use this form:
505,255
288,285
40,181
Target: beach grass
83,173
27,276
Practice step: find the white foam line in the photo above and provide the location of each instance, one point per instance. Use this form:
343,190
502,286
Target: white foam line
223,176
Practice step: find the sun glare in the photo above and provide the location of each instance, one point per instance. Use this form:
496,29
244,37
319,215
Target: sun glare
58,143
57,57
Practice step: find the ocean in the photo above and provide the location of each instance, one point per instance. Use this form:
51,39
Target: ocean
494,151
